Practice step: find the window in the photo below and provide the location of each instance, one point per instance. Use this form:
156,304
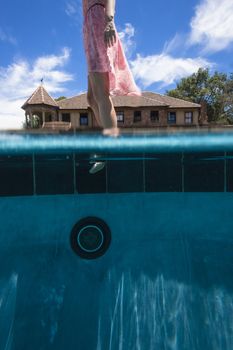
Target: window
154,116
48,117
65,117
120,117
83,118
171,118
137,116
188,117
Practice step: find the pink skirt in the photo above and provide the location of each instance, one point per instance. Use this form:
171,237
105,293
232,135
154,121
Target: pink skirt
101,58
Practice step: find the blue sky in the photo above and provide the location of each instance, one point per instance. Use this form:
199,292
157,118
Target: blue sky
164,40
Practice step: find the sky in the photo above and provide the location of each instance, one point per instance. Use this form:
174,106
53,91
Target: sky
164,41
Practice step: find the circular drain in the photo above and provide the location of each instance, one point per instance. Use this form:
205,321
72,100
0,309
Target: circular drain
90,238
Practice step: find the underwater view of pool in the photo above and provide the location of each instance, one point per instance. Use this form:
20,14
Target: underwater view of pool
138,256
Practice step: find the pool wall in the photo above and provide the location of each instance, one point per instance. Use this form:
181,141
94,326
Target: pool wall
166,280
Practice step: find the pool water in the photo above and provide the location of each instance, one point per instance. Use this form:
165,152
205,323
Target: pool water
165,279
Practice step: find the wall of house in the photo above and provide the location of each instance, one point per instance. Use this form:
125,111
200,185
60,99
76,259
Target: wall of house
75,117
129,117
146,121
180,116
145,117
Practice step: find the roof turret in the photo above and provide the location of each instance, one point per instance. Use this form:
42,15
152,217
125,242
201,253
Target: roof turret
40,97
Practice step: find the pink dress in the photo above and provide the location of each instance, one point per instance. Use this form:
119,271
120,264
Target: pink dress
101,58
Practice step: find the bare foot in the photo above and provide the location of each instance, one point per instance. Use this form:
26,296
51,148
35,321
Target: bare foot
111,132
97,167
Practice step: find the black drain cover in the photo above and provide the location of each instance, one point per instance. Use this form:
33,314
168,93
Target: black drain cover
90,238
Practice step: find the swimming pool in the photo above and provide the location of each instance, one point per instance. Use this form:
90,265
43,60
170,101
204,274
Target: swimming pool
163,279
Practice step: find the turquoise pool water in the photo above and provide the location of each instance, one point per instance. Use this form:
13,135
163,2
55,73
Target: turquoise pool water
165,280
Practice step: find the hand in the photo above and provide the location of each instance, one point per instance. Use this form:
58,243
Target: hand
109,32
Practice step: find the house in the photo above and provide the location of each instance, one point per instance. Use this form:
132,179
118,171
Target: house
150,111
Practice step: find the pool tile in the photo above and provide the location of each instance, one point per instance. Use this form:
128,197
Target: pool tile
16,175
229,172
54,174
86,182
163,172
204,172
125,175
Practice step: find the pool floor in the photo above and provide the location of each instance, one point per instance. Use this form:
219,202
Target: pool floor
164,283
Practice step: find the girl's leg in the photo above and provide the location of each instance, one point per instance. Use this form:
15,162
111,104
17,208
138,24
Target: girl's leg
92,102
100,88
97,166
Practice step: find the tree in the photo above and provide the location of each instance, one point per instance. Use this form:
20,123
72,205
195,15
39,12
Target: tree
228,99
34,123
215,90
60,98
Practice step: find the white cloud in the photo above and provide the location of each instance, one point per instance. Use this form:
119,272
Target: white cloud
126,37
74,11
164,69
211,27
71,8
19,80
177,43
7,37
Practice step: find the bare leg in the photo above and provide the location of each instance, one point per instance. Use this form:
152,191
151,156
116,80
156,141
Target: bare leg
97,166
100,89
92,102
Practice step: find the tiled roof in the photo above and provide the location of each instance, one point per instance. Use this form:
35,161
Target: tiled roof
137,101
171,101
76,102
148,99
80,102
40,97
